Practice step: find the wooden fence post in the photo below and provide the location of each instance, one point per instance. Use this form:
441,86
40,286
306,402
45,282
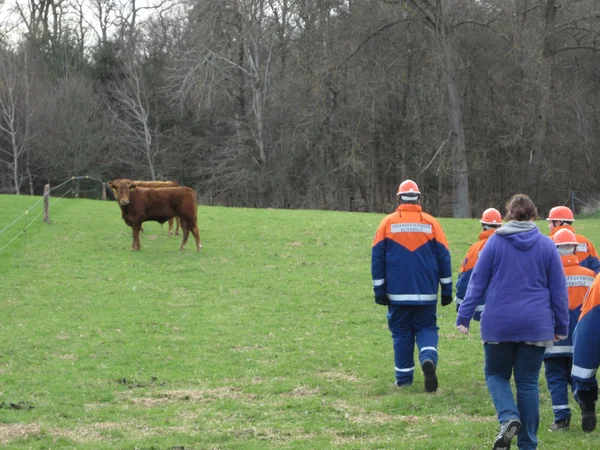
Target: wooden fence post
103,190
47,203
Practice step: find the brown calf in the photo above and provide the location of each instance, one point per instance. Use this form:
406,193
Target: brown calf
161,184
143,204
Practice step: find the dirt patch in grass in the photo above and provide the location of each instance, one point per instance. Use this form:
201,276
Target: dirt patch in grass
12,431
335,376
273,434
354,440
86,433
149,402
65,356
462,418
187,395
356,414
302,391
247,348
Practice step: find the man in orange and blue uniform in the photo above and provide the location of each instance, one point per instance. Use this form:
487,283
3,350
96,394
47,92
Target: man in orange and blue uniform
561,217
586,357
558,359
491,220
410,259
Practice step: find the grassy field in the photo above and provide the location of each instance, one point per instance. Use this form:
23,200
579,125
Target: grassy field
267,339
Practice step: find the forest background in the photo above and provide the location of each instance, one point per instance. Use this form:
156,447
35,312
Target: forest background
320,104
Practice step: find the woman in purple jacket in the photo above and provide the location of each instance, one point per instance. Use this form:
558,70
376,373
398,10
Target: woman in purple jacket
520,274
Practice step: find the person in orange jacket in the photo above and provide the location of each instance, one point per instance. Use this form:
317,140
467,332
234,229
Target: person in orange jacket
410,261
491,220
558,359
561,217
586,357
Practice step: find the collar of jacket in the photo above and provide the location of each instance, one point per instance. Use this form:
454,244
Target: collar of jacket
409,207
569,260
555,229
486,234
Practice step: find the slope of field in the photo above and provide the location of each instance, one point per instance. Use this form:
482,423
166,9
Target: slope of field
267,339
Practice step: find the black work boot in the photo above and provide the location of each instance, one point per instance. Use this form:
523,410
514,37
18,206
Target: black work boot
431,381
587,402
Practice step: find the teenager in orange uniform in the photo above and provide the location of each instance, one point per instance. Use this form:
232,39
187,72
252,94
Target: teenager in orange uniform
561,217
491,220
410,260
586,357
558,359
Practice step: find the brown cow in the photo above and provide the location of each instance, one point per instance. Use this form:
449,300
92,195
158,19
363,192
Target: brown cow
143,204
161,184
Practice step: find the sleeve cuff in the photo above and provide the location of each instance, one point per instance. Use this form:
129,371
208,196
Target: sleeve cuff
462,321
379,290
561,331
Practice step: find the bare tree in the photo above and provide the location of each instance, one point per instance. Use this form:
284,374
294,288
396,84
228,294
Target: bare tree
434,17
15,115
74,137
132,113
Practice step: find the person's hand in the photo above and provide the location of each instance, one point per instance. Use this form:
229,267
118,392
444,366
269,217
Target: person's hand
382,299
446,300
559,338
462,329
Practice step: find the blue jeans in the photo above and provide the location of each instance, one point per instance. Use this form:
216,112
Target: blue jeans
410,323
501,360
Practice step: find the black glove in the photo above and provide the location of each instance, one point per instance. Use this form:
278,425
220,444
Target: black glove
382,299
446,300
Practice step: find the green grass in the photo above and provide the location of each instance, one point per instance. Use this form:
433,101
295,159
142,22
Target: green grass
267,339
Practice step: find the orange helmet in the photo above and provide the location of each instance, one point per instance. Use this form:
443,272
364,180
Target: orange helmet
491,216
561,213
564,237
408,187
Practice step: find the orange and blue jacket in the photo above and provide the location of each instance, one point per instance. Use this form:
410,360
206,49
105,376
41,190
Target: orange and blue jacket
579,279
586,339
586,253
466,269
410,258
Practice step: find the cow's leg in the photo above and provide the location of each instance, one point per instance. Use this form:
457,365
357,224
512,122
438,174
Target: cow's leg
177,221
135,245
170,226
196,234
186,232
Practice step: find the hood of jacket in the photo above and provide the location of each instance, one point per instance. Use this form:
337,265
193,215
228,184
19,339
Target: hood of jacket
520,233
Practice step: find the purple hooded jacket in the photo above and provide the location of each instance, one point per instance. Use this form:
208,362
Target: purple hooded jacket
521,276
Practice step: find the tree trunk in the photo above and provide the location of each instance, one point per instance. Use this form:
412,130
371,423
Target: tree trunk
536,155
460,170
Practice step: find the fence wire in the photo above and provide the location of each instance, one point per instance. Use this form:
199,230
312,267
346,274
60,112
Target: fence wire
32,221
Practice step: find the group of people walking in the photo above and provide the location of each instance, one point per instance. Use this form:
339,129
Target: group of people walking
537,298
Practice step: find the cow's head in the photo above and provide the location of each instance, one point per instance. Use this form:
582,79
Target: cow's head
122,188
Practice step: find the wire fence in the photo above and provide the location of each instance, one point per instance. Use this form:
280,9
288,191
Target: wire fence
60,191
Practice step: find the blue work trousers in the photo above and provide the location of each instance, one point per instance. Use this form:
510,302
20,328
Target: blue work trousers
558,379
407,324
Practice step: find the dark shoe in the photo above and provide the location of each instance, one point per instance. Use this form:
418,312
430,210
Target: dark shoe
560,425
588,414
431,381
508,430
